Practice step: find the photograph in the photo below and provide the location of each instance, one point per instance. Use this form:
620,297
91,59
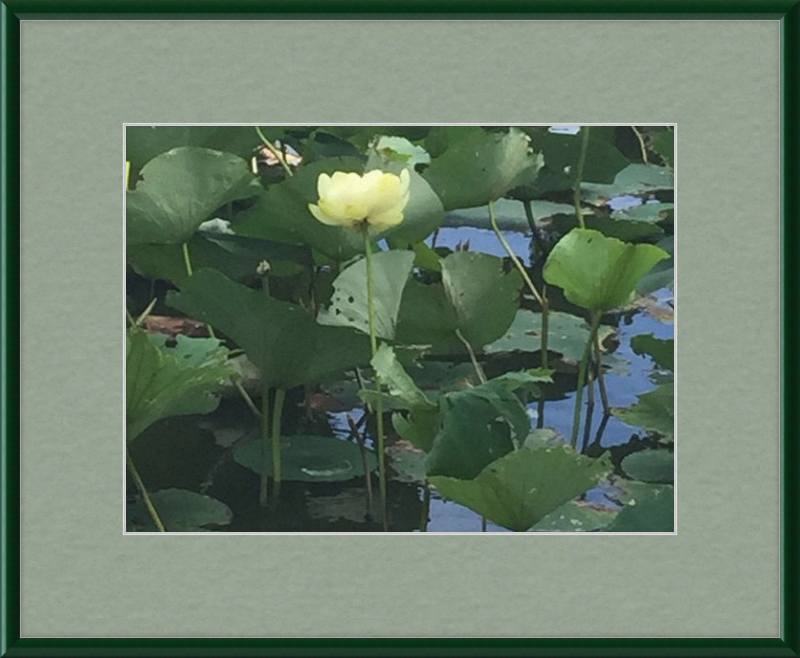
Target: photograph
399,328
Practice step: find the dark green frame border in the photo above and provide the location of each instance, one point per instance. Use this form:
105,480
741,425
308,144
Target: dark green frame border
11,11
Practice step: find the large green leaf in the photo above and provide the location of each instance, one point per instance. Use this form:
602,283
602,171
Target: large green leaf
181,190
281,212
143,143
180,511
483,296
651,509
162,382
397,381
309,458
662,351
426,317
663,274
664,144
475,430
656,466
655,411
478,166
236,256
567,335
596,272
281,339
349,305
521,488
561,152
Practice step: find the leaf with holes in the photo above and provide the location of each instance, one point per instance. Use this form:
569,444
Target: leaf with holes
349,305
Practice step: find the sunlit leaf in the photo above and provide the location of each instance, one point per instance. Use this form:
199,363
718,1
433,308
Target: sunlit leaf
596,272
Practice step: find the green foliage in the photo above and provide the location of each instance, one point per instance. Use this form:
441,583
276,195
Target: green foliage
650,509
660,350
349,305
567,335
309,458
655,466
520,489
163,382
655,411
576,516
477,426
180,511
236,256
283,340
181,189
596,272
477,166
476,298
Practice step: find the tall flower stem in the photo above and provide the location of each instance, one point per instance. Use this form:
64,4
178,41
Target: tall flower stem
151,510
277,414
373,340
579,174
264,488
576,416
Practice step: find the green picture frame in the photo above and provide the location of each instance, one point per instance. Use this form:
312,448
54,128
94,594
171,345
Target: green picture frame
14,643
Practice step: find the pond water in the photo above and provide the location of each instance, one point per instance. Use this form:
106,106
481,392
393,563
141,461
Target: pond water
193,452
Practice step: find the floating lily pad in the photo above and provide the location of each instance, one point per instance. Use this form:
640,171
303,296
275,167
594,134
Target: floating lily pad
181,189
567,335
576,516
477,166
596,272
163,382
662,351
281,339
650,509
635,180
309,458
521,488
349,305
655,411
179,511
656,466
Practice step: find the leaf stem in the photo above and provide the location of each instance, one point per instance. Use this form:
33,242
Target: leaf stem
576,416
475,364
246,397
373,340
148,503
186,260
426,507
275,152
263,495
601,382
640,137
280,396
579,175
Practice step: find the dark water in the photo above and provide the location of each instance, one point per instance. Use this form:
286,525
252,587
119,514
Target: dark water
193,452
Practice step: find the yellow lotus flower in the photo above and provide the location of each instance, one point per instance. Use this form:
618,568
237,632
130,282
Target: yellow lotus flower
376,199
